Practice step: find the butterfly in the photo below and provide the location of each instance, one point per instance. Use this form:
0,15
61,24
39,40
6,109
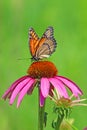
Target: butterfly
41,47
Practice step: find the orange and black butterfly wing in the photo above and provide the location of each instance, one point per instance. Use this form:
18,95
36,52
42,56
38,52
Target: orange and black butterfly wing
33,41
46,45
49,39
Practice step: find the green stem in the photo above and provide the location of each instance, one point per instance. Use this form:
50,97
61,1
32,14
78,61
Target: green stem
59,121
40,113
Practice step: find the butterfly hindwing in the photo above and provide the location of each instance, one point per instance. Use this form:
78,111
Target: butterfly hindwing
43,51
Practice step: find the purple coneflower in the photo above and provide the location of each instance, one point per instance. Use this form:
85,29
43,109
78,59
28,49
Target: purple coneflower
43,73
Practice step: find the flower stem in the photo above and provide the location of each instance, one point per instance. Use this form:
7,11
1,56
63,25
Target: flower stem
40,113
59,121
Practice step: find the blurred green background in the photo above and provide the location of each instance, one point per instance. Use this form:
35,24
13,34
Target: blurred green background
69,19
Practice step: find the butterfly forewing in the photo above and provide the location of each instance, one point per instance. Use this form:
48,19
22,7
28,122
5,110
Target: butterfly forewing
47,44
48,33
33,41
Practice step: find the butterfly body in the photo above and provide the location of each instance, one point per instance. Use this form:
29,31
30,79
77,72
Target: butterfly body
41,47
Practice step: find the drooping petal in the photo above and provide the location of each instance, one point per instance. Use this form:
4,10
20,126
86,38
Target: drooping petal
12,87
63,88
42,99
57,86
29,92
45,85
24,91
18,88
71,85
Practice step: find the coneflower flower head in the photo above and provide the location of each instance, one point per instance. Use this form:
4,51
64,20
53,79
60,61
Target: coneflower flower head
45,74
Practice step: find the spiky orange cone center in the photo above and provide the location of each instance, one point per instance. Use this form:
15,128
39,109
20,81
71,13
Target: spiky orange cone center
42,69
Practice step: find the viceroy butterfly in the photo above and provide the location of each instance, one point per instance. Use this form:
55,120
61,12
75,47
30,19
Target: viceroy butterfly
41,47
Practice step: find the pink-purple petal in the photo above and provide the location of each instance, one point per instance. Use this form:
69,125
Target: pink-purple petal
63,88
45,86
12,87
56,85
71,85
42,99
24,91
18,88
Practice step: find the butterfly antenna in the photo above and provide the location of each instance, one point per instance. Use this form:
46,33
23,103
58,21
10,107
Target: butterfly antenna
23,58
